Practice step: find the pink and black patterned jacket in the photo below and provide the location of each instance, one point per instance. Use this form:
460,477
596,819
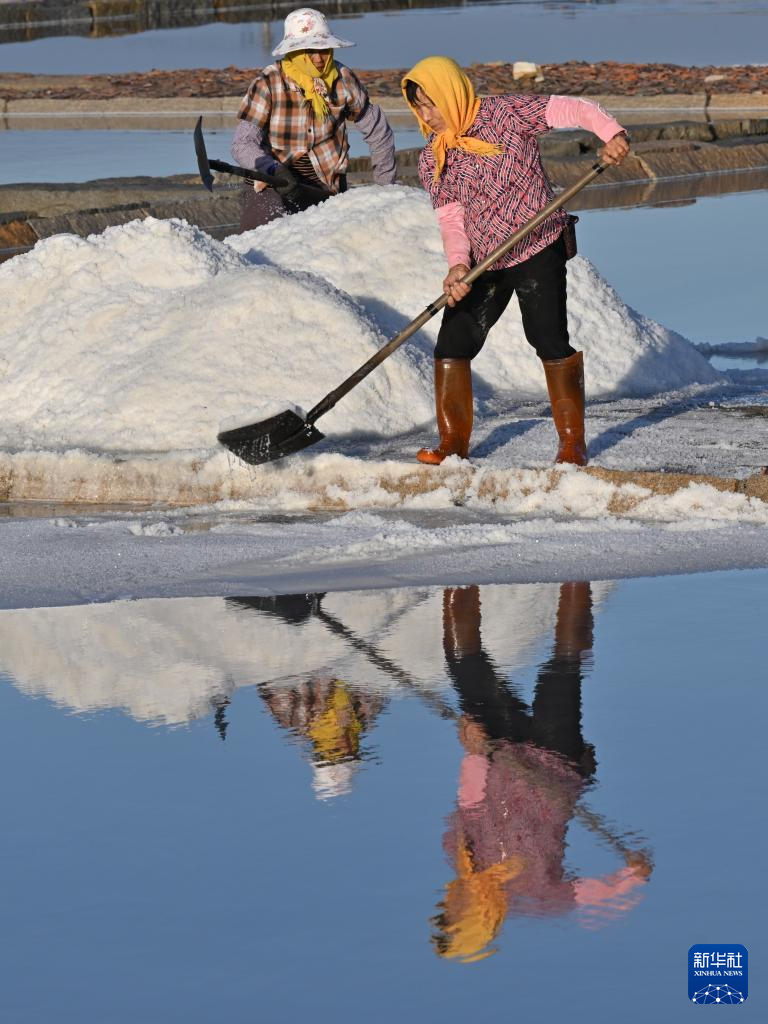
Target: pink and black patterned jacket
481,200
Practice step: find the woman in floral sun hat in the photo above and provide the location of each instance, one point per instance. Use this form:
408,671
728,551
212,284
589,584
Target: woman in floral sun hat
293,123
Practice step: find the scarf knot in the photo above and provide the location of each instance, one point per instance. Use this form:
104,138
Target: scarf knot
315,84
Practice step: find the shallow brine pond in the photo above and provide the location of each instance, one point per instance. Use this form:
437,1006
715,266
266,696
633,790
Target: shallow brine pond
84,155
452,804
692,32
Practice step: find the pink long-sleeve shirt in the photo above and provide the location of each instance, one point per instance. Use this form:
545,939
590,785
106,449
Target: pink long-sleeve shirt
519,803
480,201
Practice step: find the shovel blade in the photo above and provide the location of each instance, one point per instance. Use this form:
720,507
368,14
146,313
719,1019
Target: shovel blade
270,439
293,608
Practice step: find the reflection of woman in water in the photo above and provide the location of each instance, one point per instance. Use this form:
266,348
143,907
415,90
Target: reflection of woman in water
326,712
333,717
523,772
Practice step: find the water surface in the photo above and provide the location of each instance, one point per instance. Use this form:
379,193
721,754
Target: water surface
81,155
690,32
693,267
466,802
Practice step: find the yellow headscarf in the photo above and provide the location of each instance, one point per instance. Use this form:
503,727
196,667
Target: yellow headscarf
474,907
337,730
315,84
443,81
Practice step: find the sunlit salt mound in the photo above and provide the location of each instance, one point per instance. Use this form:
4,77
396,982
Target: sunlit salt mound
147,337
382,247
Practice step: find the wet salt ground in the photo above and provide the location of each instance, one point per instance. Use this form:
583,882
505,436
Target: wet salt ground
691,32
159,873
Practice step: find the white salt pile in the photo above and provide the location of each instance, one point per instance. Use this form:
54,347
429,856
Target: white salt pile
148,336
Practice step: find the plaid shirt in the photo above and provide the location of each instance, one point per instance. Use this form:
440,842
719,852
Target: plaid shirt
277,106
499,193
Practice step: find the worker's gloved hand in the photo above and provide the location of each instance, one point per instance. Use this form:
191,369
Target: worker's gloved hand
640,862
286,184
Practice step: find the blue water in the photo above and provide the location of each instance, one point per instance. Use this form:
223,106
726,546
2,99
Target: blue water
161,874
691,32
691,267
739,362
80,155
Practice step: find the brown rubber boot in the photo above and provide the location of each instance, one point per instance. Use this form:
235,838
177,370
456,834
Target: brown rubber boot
565,383
461,621
574,626
453,401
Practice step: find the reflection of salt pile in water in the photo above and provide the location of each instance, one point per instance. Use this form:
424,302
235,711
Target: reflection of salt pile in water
173,661
144,339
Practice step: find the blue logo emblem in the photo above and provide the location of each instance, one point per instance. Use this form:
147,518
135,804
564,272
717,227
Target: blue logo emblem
718,973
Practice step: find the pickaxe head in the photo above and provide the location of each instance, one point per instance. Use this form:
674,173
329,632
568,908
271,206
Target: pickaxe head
202,157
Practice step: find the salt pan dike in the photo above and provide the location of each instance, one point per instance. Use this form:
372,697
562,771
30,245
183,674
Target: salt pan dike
122,355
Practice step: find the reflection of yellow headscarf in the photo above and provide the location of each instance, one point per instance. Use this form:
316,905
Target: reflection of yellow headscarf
336,732
316,84
474,907
453,94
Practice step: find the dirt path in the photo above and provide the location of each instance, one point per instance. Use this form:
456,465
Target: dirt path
573,78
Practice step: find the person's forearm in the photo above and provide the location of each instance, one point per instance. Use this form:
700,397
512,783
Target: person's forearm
571,112
455,241
249,150
380,140
594,892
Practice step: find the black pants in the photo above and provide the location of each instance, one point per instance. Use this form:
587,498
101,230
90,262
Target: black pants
540,286
257,208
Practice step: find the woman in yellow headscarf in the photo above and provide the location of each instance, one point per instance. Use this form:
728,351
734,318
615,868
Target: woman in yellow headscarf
293,124
523,771
483,172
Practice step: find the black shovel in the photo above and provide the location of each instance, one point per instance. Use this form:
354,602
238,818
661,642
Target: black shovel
205,166
287,432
